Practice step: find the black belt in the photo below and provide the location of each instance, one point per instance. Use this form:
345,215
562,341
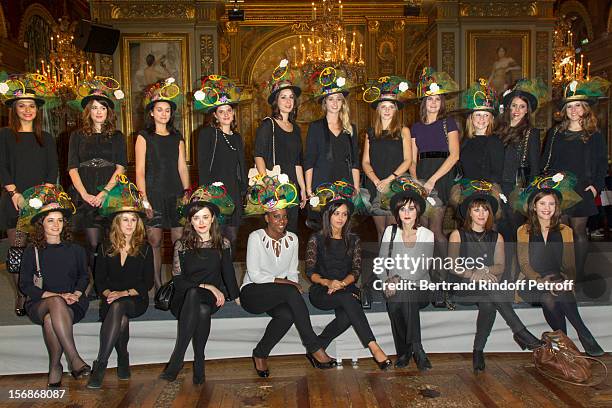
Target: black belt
433,155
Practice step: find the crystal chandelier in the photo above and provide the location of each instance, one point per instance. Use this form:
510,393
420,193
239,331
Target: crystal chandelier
566,65
324,42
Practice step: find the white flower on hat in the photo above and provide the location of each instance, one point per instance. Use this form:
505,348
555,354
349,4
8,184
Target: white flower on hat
170,81
119,94
558,177
283,63
506,92
501,108
217,184
283,178
572,85
199,95
35,203
340,81
4,88
434,87
431,200
403,86
314,201
503,198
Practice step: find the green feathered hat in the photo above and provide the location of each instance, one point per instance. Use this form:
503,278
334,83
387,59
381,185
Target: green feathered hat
99,88
467,190
340,190
123,197
215,91
329,81
213,196
283,77
588,90
534,90
479,97
388,88
561,184
435,83
27,86
41,199
270,193
165,90
407,187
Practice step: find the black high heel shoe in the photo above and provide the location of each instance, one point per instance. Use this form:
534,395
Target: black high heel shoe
383,365
421,360
59,383
262,373
478,361
404,359
19,306
317,364
84,371
526,340
170,375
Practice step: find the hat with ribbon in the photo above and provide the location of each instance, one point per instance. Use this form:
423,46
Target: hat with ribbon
588,90
99,88
215,91
387,88
329,81
283,77
165,90
479,97
435,83
27,86
213,196
406,187
270,193
534,90
42,199
562,184
123,197
467,190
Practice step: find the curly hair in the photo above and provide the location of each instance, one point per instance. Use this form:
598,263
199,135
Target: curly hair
108,127
117,238
39,239
588,121
191,239
513,134
533,223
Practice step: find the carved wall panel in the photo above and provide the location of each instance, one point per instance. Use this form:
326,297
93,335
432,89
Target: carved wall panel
106,65
499,9
207,54
448,44
146,11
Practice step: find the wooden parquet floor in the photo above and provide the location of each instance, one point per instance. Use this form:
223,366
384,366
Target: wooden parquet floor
509,381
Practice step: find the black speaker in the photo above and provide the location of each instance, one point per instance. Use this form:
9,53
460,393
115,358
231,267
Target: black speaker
96,38
412,11
235,15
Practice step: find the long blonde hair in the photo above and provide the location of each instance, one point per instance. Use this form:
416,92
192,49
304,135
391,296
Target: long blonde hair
117,238
344,113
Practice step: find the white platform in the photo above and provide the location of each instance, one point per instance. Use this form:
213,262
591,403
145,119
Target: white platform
22,349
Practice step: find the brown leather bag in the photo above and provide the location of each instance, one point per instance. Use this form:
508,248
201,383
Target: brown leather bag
559,358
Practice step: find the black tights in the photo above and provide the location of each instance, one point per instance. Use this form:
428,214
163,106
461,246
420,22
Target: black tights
93,239
115,330
57,332
435,222
557,308
581,243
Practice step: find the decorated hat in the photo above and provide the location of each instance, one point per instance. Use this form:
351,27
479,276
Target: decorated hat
387,88
329,81
561,184
270,193
435,83
123,197
467,190
588,90
283,77
26,86
99,88
165,90
407,187
41,199
339,191
214,196
534,90
479,97
215,91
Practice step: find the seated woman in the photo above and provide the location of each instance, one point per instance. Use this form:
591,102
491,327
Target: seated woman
546,254
476,240
333,264
413,240
271,286
124,276
54,276
204,278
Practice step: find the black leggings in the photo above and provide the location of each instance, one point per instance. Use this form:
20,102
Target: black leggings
284,303
404,313
348,311
557,308
487,311
115,329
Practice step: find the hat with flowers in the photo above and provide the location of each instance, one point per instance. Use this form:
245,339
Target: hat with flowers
215,91
433,82
388,88
165,90
99,88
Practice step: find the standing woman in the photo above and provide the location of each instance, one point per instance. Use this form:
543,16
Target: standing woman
203,275
333,264
54,276
577,145
220,146
28,157
387,149
278,140
161,170
546,254
124,276
332,148
96,156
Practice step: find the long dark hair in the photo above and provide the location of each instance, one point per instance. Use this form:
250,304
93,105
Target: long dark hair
478,202
423,109
109,125
294,112
326,230
533,223
509,134
398,206
15,123
39,239
191,239
149,122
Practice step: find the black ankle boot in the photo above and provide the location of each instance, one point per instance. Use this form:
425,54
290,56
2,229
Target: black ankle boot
170,371
478,361
526,340
420,358
198,370
97,374
591,347
123,366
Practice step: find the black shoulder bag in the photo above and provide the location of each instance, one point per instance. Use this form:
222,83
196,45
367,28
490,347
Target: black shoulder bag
522,173
163,296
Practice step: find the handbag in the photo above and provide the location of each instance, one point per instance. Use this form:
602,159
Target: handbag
163,296
13,259
457,168
560,359
522,172
276,170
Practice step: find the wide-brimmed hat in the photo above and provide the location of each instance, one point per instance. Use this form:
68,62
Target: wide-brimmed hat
339,191
588,90
123,197
433,82
215,91
404,187
26,86
42,199
99,88
214,196
165,90
329,81
270,193
283,77
388,88
562,184
479,97
465,191
534,91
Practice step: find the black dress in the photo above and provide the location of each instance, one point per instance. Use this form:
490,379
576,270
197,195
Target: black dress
475,245
162,178
482,158
525,153
386,155
588,161
64,270
136,273
95,156
221,158
26,164
193,267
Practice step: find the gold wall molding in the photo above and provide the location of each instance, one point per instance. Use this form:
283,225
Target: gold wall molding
145,11
373,26
34,10
499,9
449,44
207,54
106,67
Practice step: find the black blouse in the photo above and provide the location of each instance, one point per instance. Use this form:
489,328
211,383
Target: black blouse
333,261
513,157
482,158
135,273
287,146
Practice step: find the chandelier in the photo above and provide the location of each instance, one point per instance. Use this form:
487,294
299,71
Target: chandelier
566,65
66,65
324,42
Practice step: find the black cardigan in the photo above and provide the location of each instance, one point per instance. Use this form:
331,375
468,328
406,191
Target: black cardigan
136,273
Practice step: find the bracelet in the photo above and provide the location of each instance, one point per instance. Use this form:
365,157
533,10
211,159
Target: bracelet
395,175
105,190
12,192
343,284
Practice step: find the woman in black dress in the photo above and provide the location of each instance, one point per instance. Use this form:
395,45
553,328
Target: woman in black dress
577,145
278,140
54,277
204,279
220,146
387,149
161,168
28,157
332,146
96,156
124,276
333,264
